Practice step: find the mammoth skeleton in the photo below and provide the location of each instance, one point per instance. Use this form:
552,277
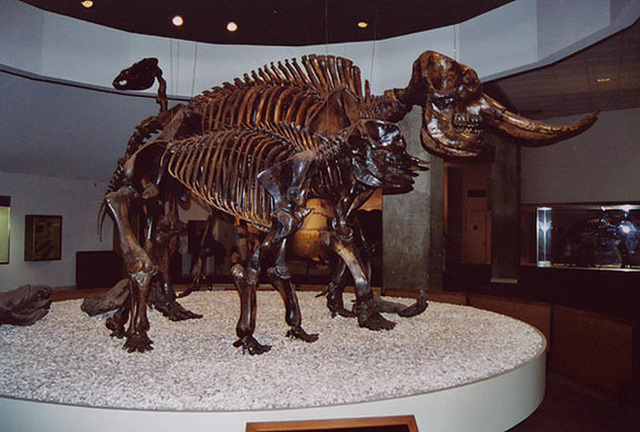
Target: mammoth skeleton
259,147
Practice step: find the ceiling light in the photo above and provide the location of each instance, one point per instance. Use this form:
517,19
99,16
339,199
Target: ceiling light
603,80
87,3
232,26
363,24
177,21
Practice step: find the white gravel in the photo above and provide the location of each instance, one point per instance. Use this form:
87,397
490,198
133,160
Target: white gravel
68,357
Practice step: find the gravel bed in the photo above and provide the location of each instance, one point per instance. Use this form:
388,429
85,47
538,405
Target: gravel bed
68,357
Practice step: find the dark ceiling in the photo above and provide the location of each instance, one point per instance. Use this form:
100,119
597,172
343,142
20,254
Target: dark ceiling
274,22
602,77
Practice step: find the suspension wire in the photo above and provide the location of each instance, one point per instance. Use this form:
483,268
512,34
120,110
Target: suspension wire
171,66
326,27
375,37
193,76
326,43
178,66
455,42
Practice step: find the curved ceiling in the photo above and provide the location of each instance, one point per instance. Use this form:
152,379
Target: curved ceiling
274,22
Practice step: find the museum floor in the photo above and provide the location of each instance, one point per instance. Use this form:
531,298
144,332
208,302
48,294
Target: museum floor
568,406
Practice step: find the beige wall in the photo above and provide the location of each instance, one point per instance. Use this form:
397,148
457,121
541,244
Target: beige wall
76,201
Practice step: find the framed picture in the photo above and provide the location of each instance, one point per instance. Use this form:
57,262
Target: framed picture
43,238
377,424
5,218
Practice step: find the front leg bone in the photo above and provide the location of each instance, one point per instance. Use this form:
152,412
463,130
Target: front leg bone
365,307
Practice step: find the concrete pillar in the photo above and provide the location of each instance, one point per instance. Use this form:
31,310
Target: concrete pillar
436,224
455,218
413,223
505,212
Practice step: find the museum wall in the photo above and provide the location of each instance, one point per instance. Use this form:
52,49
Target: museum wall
600,165
76,201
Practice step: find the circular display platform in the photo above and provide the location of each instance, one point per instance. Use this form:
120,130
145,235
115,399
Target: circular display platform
453,368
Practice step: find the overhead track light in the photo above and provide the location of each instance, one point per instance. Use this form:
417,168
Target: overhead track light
177,21
232,26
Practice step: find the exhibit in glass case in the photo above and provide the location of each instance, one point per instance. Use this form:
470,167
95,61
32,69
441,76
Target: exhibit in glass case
599,236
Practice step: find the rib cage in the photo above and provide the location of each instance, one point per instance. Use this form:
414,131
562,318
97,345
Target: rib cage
221,168
284,92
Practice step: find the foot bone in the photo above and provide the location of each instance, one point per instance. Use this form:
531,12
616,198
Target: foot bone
250,344
398,308
297,332
138,342
176,312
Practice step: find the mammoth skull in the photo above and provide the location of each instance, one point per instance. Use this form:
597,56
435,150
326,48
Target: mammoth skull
456,111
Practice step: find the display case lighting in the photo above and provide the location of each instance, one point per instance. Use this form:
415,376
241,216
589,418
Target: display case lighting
363,24
232,26
544,225
87,4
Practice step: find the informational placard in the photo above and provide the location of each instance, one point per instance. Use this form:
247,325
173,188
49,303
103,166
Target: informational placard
370,424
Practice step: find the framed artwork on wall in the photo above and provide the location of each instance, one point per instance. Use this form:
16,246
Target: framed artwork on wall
43,238
5,218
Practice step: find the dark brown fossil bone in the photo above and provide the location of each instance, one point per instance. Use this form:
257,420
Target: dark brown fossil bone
24,305
257,148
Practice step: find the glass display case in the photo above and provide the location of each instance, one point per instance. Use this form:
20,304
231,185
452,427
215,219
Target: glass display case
603,236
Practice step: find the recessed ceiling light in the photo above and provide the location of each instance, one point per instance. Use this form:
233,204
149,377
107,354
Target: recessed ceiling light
232,26
87,3
177,21
363,24
603,80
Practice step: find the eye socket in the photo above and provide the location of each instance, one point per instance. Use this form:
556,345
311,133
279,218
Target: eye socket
469,86
467,92
442,102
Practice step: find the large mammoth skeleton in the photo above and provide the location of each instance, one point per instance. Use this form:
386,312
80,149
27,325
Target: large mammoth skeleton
258,148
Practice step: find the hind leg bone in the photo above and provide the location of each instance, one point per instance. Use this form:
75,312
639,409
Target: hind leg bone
281,280
140,269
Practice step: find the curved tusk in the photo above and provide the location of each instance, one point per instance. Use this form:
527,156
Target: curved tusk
520,127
